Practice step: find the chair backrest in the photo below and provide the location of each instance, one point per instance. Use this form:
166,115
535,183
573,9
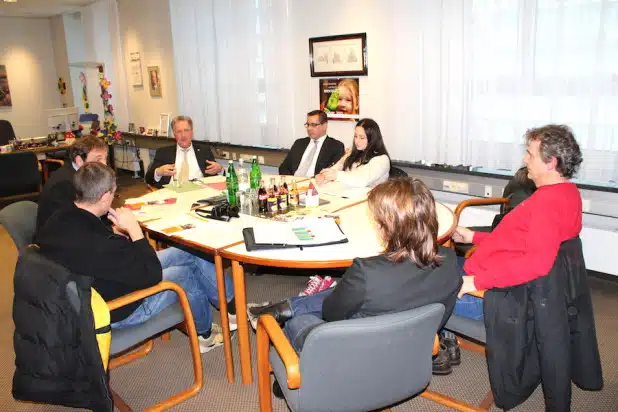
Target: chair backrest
6,132
396,172
370,363
19,219
19,173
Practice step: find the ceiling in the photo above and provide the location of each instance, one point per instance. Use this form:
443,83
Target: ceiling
40,8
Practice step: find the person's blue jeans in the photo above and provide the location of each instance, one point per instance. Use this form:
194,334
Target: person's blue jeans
196,276
306,315
468,306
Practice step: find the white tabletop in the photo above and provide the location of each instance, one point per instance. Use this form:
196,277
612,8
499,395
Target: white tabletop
226,237
362,242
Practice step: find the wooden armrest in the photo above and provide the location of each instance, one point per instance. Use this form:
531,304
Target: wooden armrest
50,160
470,251
144,293
480,202
284,348
436,345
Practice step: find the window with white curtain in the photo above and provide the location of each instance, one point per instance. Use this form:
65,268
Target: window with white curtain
462,80
535,62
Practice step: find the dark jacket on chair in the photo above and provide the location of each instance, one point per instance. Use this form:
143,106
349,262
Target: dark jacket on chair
57,357
57,193
543,331
167,155
330,152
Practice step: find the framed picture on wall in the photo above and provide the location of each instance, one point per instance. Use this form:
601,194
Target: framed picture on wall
164,124
342,55
5,92
154,81
135,65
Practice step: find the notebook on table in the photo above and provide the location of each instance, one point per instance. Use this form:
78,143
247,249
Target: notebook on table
305,233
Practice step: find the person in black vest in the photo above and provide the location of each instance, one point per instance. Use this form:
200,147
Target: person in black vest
58,191
76,238
309,155
188,159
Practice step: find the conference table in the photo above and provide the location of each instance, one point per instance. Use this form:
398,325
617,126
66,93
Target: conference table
170,214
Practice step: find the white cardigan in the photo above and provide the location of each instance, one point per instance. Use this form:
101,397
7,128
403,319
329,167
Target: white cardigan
370,174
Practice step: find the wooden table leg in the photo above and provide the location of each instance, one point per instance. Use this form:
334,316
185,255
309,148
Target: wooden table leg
227,342
244,347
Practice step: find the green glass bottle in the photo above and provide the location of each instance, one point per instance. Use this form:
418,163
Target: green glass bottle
256,174
231,182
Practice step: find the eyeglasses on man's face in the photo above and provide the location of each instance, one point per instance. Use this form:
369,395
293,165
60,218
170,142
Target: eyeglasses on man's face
312,124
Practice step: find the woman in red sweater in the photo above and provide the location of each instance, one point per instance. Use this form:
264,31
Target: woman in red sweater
525,244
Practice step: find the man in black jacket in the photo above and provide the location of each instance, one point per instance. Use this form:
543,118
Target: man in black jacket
76,238
309,155
187,159
58,191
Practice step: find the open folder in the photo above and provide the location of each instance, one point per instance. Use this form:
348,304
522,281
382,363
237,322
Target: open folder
304,233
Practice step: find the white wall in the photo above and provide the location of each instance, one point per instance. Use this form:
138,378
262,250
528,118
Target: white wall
343,17
147,30
28,55
61,58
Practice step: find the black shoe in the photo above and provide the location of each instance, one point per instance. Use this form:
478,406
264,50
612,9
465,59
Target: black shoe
281,311
277,392
441,364
452,348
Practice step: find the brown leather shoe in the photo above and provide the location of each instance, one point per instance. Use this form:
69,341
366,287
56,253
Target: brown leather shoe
441,364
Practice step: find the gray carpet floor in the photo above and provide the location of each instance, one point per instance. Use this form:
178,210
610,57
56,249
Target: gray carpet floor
168,368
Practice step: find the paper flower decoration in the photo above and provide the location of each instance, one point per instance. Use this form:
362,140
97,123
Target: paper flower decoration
62,86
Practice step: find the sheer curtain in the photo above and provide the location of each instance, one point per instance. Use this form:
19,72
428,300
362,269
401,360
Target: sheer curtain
528,63
450,81
230,73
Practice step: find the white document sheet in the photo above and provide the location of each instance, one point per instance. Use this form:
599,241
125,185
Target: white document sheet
306,232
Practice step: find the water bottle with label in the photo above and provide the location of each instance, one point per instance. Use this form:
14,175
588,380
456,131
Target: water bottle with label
243,177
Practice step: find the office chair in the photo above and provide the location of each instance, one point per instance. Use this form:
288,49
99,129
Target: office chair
19,220
396,172
6,132
568,265
370,373
21,228
20,177
518,189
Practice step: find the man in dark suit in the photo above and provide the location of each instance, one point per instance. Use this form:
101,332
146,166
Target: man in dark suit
187,159
309,155
59,191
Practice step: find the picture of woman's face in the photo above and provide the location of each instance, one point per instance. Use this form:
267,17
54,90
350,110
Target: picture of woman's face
346,101
360,139
154,80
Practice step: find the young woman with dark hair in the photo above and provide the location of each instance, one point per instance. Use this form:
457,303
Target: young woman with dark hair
412,271
366,164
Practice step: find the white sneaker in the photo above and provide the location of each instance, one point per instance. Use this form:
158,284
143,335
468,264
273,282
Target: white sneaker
213,341
231,319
